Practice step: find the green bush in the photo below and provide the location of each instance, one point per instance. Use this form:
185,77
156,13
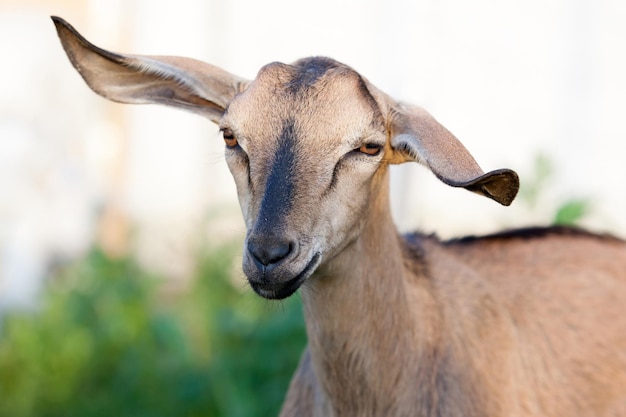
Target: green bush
534,187
108,342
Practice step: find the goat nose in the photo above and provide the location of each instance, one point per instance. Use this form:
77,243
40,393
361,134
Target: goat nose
268,253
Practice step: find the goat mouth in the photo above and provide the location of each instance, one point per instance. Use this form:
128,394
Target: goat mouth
281,290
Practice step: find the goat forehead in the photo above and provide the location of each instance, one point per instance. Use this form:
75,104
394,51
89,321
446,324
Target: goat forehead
324,100
302,74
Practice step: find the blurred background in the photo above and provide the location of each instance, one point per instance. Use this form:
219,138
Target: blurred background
120,287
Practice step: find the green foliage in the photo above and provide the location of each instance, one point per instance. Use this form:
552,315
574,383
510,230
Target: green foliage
567,213
108,342
532,186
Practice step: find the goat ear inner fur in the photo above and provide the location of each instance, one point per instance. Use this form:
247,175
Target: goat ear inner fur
416,136
175,81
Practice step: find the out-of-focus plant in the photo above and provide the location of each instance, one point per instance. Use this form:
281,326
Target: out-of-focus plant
570,212
533,188
108,342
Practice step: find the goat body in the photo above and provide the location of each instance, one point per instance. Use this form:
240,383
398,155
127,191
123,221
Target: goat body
480,327
524,323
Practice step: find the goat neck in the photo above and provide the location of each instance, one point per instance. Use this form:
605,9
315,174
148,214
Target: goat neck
357,324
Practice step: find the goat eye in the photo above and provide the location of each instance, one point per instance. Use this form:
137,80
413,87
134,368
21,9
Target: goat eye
370,149
229,138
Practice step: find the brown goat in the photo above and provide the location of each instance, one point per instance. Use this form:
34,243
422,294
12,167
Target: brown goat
523,323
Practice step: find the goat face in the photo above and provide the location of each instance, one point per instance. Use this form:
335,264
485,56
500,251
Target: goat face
304,150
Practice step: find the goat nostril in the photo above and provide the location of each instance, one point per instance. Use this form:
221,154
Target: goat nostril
270,253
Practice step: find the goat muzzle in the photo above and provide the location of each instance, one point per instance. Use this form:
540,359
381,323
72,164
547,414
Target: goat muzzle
277,268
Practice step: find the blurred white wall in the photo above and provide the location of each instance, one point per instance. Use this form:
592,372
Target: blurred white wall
509,78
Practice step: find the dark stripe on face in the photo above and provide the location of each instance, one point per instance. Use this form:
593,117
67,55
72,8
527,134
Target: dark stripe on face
277,199
309,71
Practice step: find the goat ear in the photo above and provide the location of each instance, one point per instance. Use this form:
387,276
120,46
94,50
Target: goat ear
416,136
174,81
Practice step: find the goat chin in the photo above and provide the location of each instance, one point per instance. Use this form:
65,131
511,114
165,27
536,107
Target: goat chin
527,322
269,287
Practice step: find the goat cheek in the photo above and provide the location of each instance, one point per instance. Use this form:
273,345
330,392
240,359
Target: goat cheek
347,219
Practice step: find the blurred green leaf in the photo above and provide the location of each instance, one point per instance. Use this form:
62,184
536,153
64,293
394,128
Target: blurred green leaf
533,188
532,185
571,212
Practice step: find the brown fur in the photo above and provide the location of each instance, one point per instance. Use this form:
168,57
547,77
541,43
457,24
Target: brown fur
521,323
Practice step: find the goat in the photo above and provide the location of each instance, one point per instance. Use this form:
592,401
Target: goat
521,323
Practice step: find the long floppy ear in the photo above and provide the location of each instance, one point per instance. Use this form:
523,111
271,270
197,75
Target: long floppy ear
416,136
179,82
